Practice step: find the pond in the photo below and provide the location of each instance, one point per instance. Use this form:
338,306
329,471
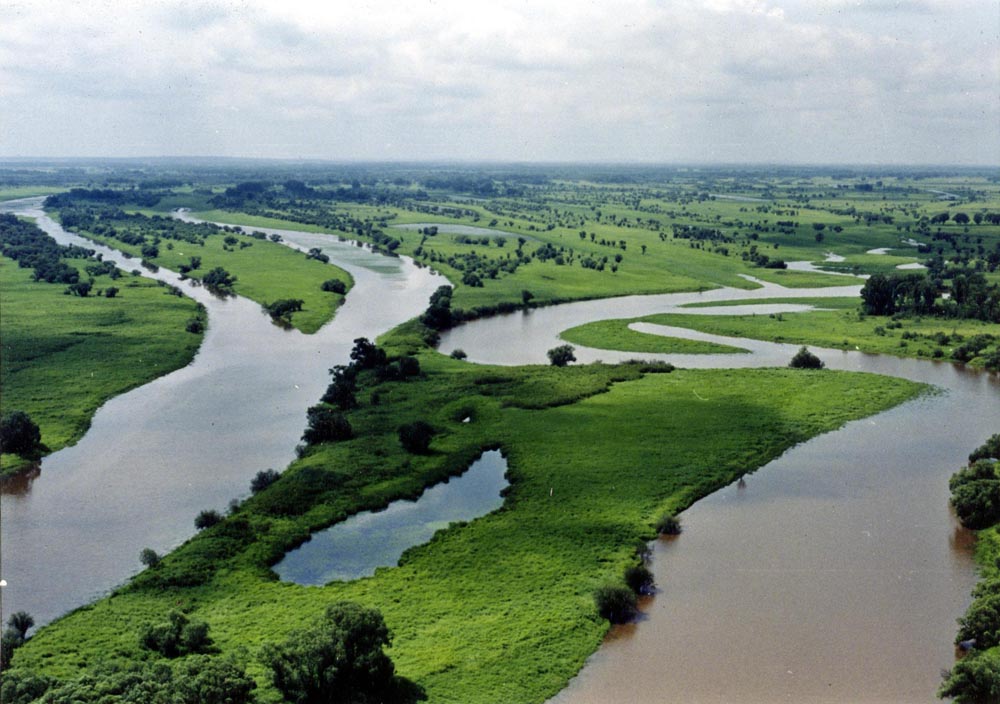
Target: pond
356,547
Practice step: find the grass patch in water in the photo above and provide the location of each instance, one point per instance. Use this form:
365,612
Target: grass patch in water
616,335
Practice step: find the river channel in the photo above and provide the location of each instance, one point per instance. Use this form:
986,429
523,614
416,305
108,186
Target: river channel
833,574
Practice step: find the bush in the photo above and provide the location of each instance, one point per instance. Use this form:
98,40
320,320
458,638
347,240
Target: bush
19,434
615,603
669,524
804,359
149,557
416,437
989,449
263,479
207,519
326,425
974,679
176,636
458,354
334,286
639,579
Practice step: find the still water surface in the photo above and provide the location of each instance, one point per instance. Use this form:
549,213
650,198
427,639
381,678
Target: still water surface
356,547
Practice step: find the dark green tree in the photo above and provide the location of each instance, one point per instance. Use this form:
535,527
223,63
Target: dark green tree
326,424
340,661
416,437
561,356
804,359
19,434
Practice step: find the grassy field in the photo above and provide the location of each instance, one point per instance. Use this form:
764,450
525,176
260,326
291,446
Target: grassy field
615,335
265,271
64,356
499,609
838,325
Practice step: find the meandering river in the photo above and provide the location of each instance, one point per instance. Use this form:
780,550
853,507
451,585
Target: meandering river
833,574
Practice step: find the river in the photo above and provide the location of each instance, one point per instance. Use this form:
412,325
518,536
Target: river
833,574
191,440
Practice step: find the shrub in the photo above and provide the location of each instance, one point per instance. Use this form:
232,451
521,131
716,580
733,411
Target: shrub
334,286
19,434
149,558
615,603
669,524
416,437
263,479
804,359
458,354
639,579
326,425
176,636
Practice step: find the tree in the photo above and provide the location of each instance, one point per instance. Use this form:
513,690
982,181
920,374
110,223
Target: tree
990,448
326,425
804,359
340,661
19,434
526,296
366,355
416,437
149,557
21,622
219,280
561,356
111,292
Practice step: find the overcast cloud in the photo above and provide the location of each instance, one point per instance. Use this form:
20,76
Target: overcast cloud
782,81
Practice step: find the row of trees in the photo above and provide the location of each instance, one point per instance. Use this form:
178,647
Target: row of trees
969,295
976,498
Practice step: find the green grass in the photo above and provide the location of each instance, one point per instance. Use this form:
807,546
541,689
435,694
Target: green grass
499,609
63,356
615,335
265,272
842,327
15,192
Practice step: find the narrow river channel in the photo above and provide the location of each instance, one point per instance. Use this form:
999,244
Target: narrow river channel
833,574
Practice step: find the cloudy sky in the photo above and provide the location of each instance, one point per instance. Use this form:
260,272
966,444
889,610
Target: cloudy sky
758,81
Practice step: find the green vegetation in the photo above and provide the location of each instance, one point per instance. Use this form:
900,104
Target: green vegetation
976,677
840,324
502,606
96,346
616,335
228,260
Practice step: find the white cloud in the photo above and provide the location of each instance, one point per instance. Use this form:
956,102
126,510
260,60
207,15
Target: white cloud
801,80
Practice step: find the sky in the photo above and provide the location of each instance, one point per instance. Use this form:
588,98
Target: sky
652,81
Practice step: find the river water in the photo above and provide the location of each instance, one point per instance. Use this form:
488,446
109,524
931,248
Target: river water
833,574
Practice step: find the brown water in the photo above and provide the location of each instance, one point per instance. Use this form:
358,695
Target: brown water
192,440
833,574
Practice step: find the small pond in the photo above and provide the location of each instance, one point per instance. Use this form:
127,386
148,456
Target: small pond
356,547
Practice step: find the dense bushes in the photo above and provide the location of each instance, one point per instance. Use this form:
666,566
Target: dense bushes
19,434
804,359
176,636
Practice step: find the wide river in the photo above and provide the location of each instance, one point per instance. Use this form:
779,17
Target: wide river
833,574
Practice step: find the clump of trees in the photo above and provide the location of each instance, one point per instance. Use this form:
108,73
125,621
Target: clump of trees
282,309
334,286
176,636
804,359
326,424
976,498
340,660
220,281
263,479
616,603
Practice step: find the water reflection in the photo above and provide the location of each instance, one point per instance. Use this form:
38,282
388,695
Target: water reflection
366,541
